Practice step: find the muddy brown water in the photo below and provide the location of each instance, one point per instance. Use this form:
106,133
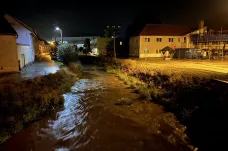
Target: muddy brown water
90,121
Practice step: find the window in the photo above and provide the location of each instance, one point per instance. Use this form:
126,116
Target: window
184,39
147,39
121,43
170,39
179,40
159,39
157,51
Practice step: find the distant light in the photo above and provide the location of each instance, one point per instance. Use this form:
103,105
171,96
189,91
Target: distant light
121,43
57,28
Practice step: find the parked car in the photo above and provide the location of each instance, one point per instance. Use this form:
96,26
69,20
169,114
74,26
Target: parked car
53,55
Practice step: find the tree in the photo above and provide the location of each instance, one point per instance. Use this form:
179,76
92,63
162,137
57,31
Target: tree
87,46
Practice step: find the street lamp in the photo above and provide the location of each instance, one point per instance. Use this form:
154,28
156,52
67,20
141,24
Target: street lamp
61,32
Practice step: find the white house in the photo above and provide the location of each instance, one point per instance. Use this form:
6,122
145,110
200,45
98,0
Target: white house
25,43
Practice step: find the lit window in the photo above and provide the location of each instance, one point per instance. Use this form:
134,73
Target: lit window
159,39
170,39
121,43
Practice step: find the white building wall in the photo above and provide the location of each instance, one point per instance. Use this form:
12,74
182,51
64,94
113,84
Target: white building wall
24,40
24,50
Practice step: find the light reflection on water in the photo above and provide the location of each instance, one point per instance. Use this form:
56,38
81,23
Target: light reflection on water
85,123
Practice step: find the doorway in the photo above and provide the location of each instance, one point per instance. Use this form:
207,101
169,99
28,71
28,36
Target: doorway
22,60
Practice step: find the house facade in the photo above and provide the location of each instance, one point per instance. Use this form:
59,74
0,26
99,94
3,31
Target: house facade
44,47
98,45
104,46
26,41
8,48
156,40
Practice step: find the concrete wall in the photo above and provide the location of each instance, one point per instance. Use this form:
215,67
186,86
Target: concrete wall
24,55
8,54
134,44
153,48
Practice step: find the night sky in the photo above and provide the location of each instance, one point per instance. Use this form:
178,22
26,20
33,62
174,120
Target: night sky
90,17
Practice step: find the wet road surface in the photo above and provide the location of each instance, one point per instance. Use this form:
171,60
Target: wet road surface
90,121
31,71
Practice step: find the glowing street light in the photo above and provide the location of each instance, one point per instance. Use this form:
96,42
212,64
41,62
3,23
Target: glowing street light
61,32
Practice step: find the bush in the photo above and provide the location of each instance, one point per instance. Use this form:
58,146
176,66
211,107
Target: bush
66,53
75,68
23,102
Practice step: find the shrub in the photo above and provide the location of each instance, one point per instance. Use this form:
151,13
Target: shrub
24,101
66,53
75,68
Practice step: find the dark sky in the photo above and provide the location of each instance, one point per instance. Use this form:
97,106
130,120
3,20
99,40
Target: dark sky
91,16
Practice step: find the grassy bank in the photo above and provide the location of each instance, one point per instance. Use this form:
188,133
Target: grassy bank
26,101
198,101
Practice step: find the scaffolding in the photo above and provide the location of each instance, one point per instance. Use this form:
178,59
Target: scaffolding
212,42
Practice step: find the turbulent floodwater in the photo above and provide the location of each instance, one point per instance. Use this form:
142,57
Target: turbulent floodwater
90,121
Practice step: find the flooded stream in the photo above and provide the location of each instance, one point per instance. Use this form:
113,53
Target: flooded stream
91,121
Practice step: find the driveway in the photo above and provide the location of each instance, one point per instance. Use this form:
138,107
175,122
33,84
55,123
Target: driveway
42,67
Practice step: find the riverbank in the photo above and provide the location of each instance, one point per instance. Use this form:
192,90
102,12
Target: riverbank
26,101
192,96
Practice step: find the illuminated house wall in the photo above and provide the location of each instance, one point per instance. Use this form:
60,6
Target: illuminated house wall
154,38
44,48
8,54
25,41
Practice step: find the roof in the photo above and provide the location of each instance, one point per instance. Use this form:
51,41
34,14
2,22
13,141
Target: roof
165,30
6,28
23,24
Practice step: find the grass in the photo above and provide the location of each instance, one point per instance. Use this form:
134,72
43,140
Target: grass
183,88
25,101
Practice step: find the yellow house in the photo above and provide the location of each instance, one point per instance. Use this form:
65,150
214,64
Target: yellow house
8,48
155,40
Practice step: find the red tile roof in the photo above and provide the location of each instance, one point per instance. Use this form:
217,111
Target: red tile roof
165,30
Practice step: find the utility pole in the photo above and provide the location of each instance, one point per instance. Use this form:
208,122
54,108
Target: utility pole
221,40
114,31
114,47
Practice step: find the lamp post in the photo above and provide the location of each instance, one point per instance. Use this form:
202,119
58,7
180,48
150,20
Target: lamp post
113,30
61,33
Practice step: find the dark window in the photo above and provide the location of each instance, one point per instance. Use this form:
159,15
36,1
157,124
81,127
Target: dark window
184,39
159,39
170,39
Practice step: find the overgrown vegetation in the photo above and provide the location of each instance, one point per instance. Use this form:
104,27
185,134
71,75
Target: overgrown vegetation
67,53
197,100
25,101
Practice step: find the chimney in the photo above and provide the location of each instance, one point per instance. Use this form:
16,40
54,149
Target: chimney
201,24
